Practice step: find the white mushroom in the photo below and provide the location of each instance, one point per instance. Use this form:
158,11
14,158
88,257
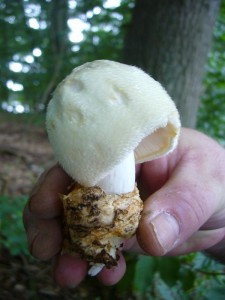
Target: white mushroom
103,118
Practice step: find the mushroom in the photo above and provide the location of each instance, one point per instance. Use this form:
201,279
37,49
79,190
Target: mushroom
103,118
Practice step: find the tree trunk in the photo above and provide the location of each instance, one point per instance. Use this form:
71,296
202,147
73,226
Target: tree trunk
58,46
170,40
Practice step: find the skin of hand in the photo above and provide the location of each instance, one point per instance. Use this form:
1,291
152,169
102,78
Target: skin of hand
184,210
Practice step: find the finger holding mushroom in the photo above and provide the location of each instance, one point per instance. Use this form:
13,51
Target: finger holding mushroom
103,118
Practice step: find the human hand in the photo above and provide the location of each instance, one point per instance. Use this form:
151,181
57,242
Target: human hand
184,210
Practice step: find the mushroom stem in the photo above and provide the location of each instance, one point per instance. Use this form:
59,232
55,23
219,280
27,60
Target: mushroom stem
121,179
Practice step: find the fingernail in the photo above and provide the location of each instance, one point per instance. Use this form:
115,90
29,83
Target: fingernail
166,230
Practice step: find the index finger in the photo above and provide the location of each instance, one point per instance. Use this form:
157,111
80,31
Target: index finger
44,199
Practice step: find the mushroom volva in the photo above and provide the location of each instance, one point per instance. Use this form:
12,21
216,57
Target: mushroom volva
104,118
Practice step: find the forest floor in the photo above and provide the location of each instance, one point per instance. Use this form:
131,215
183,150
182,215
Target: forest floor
24,154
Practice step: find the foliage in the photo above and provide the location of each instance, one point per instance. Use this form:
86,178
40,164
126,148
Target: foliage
211,117
12,234
39,49
37,119
189,277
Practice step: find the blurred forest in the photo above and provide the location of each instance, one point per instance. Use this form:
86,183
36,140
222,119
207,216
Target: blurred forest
41,41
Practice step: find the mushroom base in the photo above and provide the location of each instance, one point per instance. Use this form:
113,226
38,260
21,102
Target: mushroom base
96,223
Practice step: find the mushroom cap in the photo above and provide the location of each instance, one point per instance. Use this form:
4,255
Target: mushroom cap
104,110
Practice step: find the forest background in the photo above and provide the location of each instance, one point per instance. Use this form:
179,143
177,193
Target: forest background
40,43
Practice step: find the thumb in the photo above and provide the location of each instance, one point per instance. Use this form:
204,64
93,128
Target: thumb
180,208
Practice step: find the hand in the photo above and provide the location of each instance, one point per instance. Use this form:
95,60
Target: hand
184,210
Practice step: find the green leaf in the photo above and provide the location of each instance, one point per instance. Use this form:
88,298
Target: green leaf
187,278
215,293
164,292
12,233
168,267
144,273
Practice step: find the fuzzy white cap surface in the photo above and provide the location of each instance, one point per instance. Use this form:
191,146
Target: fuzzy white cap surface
104,110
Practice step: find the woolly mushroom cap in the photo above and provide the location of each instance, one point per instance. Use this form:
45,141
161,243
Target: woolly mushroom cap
102,112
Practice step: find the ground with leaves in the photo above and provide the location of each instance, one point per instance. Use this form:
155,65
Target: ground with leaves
24,153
